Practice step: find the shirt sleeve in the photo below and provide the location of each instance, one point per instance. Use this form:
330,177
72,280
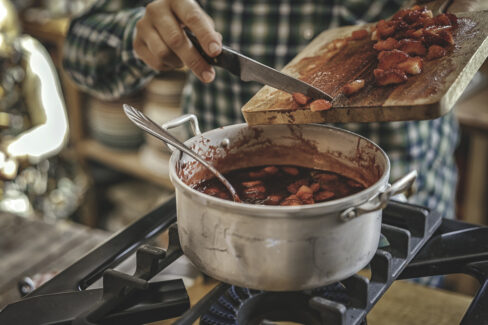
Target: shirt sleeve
98,52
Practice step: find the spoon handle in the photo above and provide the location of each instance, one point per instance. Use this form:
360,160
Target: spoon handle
151,127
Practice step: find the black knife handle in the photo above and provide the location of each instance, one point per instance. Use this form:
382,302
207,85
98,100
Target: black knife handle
227,59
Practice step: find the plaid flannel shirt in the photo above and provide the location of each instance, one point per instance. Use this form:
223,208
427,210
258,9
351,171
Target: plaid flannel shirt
99,56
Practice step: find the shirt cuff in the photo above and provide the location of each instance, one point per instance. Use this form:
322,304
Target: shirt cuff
129,56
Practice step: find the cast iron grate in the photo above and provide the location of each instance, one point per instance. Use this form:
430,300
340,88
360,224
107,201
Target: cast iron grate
346,302
244,306
456,247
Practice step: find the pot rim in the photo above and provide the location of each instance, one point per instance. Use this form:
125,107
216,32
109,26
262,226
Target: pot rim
258,211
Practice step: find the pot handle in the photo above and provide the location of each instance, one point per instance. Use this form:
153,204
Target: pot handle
381,198
180,120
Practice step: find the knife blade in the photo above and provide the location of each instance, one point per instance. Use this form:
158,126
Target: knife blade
248,69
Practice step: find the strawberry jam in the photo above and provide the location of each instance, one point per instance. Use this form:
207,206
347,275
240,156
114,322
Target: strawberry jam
282,185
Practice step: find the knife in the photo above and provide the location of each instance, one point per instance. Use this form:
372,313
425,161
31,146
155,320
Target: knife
251,70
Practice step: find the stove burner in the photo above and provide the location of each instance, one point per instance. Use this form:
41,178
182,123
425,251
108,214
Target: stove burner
245,306
456,247
347,302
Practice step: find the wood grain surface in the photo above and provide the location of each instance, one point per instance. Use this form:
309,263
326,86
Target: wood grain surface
28,247
429,95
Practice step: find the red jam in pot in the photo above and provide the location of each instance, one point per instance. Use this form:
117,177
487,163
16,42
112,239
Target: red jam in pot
282,185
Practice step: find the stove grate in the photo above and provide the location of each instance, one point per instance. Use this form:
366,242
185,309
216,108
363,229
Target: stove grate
345,302
131,299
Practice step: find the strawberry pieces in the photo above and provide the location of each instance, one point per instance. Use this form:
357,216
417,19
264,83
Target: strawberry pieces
439,35
389,77
435,52
320,105
252,183
271,170
293,187
410,35
389,44
304,193
301,99
353,87
291,201
359,34
322,196
411,66
412,47
273,199
390,59
290,170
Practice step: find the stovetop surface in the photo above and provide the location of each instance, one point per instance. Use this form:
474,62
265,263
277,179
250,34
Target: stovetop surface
455,247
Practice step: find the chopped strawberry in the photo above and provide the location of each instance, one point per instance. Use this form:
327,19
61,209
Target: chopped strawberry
359,34
257,174
446,20
290,170
386,28
412,47
308,201
273,199
304,192
322,196
252,183
409,34
389,77
271,170
439,35
435,52
315,187
320,105
301,99
412,66
291,200
353,87
293,187
389,44
453,19
255,189
326,177
390,59
257,192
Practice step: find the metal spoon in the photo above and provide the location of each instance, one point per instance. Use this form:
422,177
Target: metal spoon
151,127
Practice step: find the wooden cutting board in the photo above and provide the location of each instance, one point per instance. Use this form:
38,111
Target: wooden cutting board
429,95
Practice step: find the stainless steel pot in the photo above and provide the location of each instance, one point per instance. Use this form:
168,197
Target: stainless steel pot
281,248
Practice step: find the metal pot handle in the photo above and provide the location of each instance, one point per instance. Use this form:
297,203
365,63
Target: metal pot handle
381,199
179,121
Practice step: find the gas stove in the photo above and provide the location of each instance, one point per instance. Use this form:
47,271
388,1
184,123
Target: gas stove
420,244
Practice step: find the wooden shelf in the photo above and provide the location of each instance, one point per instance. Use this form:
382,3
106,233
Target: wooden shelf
124,161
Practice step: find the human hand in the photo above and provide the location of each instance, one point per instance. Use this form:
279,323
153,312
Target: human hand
162,44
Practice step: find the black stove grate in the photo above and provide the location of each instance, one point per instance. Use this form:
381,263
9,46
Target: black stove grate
346,302
130,299
245,306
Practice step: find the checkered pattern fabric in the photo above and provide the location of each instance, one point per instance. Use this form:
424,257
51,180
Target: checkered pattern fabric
100,58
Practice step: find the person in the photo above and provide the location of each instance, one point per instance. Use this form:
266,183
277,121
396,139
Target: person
116,47
34,182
